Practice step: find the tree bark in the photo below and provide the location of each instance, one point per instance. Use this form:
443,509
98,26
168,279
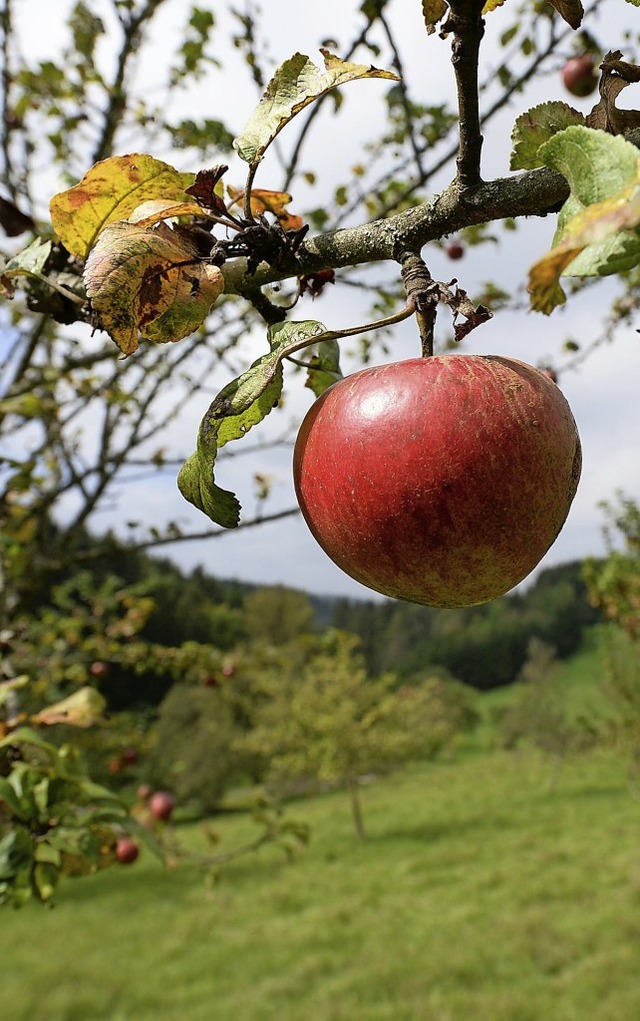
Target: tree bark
356,808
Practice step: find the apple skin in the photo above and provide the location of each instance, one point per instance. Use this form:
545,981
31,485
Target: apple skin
454,250
579,76
161,805
441,481
127,850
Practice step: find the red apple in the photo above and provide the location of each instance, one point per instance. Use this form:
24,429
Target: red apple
130,756
144,791
161,805
454,250
126,850
99,669
439,480
579,75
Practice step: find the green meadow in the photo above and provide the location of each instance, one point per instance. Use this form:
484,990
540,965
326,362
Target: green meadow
480,895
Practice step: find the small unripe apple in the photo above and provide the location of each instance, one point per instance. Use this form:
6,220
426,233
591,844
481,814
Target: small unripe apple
126,850
161,805
579,76
454,250
441,480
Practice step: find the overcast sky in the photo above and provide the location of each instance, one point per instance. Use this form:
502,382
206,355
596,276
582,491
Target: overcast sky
603,391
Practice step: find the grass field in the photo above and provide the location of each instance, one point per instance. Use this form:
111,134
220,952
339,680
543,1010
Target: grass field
478,897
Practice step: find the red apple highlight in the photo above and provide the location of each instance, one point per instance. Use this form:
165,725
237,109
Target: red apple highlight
161,805
579,75
441,480
454,250
127,850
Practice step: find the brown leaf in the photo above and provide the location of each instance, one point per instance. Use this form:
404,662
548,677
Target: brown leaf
274,202
432,12
571,11
204,192
12,220
616,74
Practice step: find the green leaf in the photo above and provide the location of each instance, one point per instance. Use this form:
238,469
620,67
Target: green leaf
24,735
10,796
596,235
110,191
324,367
598,167
44,851
535,127
296,84
16,853
30,261
45,880
596,232
236,409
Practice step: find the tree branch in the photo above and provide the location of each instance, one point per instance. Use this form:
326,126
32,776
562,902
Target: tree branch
531,193
466,23
117,92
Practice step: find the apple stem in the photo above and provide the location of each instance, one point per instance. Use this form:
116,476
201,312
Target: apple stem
426,325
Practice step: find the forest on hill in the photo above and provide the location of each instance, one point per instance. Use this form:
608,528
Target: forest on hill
484,646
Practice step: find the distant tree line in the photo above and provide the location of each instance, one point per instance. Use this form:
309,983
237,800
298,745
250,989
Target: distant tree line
485,646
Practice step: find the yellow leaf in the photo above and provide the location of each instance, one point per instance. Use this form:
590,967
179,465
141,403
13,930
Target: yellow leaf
492,5
82,709
592,225
432,12
149,282
110,191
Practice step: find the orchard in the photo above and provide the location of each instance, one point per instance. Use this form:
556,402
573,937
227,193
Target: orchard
159,253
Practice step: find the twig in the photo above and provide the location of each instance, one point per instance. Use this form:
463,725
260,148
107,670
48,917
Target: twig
467,25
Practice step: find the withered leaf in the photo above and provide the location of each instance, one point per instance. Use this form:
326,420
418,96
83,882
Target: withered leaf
570,11
204,188
149,282
616,75
12,220
275,202
433,11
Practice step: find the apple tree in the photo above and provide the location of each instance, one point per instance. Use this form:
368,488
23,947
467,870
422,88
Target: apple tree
169,237
320,719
